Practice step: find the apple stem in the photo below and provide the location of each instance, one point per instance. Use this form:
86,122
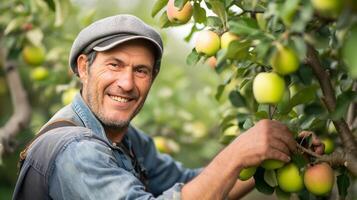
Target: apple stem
272,109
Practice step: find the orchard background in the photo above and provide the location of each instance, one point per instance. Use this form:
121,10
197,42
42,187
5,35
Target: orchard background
203,97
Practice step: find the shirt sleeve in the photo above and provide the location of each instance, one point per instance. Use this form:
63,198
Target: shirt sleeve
88,170
162,170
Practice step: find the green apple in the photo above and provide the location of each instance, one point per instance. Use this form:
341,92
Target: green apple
227,38
289,178
68,95
284,60
161,144
207,42
319,179
328,8
247,173
271,164
39,73
33,55
268,87
329,145
179,16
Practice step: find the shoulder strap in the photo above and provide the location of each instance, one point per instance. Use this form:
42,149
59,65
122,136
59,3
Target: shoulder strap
53,125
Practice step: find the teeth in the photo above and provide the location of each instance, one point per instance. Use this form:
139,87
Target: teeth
119,99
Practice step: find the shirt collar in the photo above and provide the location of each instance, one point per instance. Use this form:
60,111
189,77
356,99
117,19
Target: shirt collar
91,121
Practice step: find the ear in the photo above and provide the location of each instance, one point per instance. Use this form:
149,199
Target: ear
82,67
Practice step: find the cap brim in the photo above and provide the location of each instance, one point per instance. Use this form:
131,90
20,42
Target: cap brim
114,41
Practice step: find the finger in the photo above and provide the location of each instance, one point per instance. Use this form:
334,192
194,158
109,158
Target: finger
279,145
319,149
286,137
316,141
304,134
278,155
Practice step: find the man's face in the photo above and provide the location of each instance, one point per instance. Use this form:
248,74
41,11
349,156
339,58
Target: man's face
115,86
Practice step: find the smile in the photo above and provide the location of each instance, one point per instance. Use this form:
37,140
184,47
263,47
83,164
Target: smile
119,99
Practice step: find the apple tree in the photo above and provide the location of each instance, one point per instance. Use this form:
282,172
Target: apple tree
293,61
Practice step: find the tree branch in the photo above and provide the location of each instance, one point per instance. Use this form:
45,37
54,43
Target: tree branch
350,145
22,110
335,159
351,114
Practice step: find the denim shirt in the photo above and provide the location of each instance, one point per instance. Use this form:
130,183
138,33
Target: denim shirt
86,169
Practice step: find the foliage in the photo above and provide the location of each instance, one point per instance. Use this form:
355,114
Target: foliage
174,108
320,90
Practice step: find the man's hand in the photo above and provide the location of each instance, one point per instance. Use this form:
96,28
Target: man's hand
268,139
317,146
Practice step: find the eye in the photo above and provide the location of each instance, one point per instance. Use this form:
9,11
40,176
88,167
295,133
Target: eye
142,71
113,64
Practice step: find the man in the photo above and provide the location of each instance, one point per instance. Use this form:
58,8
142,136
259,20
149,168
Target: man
89,149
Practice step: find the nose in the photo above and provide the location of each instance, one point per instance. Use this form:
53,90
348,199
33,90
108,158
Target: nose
125,79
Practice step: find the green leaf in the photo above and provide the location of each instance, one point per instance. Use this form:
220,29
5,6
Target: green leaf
260,183
261,115
193,57
199,14
342,104
159,4
228,3
262,50
289,10
213,21
248,124
284,105
270,178
164,21
308,122
220,90
180,3
14,24
226,139
299,160
189,36
236,99
218,8
305,16
245,26
281,194
343,182
300,46
62,8
237,50
35,36
303,96
51,4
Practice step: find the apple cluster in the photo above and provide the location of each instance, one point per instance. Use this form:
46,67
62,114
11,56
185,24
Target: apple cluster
317,179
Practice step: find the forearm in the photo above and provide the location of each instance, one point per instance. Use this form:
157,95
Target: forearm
241,188
216,180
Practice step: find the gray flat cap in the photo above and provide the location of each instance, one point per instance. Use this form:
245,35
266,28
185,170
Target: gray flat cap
106,33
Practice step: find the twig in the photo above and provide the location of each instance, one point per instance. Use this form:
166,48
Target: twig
308,151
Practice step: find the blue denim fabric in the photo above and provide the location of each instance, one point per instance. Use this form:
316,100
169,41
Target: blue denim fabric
86,169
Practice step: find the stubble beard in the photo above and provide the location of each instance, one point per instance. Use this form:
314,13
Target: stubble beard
110,123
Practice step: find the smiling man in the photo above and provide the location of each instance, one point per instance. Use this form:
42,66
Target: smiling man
89,149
